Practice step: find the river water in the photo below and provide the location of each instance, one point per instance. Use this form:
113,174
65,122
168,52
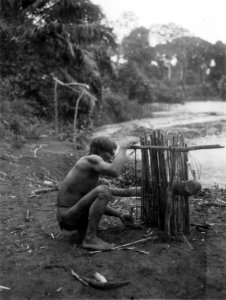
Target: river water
209,165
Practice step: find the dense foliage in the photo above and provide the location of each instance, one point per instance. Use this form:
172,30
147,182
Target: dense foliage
68,40
178,68
45,39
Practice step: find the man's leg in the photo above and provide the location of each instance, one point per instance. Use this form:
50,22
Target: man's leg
94,203
96,211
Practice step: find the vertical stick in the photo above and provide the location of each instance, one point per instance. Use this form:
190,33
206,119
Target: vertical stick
164,181
167,227
186,198
143,208
155,178
75,119
147,181
136,189
56,107
173,212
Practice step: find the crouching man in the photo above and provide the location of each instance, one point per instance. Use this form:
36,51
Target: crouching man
82,201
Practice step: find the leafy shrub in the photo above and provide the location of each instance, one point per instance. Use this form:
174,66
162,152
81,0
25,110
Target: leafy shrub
192,92
191,77
17,122
129,176
117,108
166,92
135,83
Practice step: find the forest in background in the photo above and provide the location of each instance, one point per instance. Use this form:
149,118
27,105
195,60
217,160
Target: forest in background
67,50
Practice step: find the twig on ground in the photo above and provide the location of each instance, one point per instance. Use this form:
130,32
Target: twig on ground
187,241
79,278
37,148
50,235
136,250
51,266
133,243
8,156
45,190
122,246
4,175
4,288
33,196
28,216
142,251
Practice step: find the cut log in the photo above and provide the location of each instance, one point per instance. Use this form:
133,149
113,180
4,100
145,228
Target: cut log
186,188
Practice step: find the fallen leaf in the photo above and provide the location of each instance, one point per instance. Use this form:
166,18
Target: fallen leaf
100,277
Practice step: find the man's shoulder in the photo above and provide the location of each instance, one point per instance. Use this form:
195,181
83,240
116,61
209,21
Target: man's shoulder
93,158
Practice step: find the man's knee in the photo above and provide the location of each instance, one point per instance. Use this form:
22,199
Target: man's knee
104,192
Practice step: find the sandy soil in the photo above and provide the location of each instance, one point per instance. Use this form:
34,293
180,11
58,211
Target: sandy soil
36,260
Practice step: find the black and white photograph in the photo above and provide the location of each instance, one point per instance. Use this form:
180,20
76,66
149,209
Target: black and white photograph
112,149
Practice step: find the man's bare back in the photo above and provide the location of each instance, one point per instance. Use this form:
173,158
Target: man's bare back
79,181
81,201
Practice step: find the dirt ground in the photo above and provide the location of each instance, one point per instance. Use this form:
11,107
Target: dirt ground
36,260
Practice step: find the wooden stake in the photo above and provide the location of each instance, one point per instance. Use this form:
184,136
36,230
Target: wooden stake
75,119
56,107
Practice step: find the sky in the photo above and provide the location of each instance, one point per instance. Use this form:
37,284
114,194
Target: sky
203,18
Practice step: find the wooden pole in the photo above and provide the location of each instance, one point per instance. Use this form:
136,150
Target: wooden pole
75,119
180,149
56,108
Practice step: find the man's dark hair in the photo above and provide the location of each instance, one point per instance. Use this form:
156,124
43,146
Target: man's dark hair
102,144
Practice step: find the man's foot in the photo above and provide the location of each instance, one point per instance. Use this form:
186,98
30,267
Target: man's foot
96,244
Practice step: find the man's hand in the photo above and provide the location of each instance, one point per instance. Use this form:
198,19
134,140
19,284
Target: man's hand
126,219
103,181
127,144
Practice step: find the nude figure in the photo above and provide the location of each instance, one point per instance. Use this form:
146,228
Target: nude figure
82,201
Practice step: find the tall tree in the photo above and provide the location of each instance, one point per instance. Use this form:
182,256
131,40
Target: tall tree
136,47
163,36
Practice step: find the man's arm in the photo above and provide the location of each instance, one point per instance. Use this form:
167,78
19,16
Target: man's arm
113,169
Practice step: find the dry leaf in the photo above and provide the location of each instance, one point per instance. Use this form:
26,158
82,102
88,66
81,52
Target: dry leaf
100,277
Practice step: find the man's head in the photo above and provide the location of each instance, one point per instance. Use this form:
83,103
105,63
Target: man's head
103,147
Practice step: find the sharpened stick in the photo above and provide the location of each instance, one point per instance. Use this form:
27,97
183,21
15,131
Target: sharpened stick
121,246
